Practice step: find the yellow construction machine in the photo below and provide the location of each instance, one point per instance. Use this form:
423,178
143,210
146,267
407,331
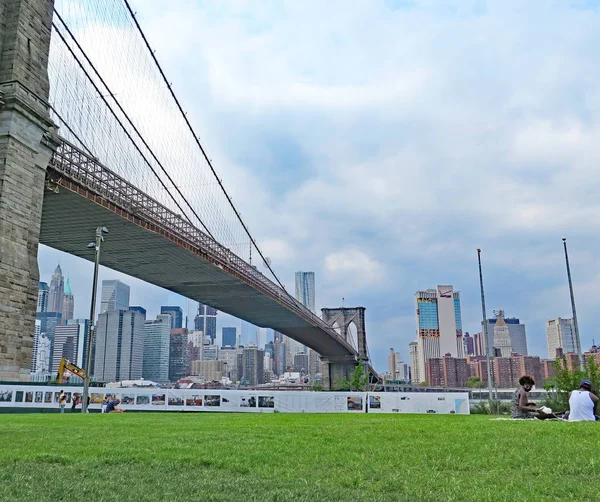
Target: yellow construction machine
66,365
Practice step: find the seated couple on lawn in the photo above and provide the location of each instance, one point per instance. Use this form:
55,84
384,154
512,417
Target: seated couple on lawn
582,403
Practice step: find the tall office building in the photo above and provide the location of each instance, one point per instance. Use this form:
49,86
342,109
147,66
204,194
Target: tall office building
43,292
157,338
83,332
560,334
206,321
502,342
57,291
179,356
229,337
115,296
229,356
66,344
439,326
305,289
279,356
248,334
518,336
301,363
392,364
252,365
119,351
469,344
48,321
42,354
140,310
176,314
413,351
68,302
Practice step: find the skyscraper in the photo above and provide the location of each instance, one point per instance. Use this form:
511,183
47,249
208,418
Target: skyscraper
48,322
179,360
66,344
560,334
57,291
42,303
392,364
413,350
469,344
119,345
439,326
156,349
229,337
518,336
206,321
502,340
115,296
83,332
305,289
176,314
252,365
68,302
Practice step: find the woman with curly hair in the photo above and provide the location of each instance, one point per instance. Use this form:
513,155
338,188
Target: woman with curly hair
521,407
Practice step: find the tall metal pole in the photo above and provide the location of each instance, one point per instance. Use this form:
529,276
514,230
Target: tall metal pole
90,341
575,324
485,332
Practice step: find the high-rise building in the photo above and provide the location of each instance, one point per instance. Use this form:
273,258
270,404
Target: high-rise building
279,357
455,371
211,371
43,292
176,314
206,321
270,349
413,350
305,289
507,371
301,363
83,332
210,352
560,334
479,345
229,337
518,336
66,344
314,362
57,291
48,322
68,302
179,361
469,344
392,364
252,365
229,357
248,334
119,351
157,339
502,338
439,326
42,354
115,296
140,310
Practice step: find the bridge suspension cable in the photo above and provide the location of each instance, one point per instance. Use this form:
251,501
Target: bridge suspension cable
112,95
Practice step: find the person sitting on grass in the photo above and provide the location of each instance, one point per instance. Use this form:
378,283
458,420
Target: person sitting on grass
582,403
112,406
521,407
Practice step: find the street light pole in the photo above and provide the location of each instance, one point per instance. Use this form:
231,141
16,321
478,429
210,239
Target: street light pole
90,339
485,333
575,324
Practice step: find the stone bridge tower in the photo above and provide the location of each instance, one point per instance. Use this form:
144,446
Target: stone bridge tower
25,150
342,318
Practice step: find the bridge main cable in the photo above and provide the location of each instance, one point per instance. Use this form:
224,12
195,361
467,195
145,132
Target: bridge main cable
112,95
195,136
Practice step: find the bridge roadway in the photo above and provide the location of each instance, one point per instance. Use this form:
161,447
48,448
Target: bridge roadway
154,244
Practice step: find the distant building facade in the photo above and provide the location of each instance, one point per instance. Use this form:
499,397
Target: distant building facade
119,353
229,337
560,334
206,321
157,342
176,314
115,296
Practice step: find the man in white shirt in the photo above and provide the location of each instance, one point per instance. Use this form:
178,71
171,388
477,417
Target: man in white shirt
582,403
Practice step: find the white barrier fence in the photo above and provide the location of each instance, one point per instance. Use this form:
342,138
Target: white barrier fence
151,399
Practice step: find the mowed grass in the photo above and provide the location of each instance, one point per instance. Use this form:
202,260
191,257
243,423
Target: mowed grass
279,457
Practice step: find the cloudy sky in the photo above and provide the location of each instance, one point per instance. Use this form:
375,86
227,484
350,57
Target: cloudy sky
379,143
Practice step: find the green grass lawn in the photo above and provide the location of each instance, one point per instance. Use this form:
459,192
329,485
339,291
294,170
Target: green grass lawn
276,457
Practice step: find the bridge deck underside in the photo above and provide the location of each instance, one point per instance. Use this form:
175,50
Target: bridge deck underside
68,224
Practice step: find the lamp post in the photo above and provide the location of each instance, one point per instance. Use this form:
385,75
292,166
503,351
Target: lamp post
485,332
90,341
575,325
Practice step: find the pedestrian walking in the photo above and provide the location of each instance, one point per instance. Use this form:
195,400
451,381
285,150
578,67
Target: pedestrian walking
62,401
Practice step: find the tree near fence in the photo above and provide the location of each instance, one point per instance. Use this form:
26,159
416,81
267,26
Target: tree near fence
566,380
